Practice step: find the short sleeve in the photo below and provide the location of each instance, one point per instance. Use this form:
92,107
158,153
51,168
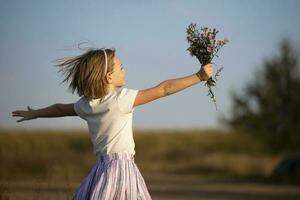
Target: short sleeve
126,98
78,109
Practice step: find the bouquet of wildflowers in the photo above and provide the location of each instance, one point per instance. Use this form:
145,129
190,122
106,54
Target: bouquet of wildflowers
205,46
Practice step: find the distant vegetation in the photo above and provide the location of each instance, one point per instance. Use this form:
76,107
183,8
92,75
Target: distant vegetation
210,153
269,107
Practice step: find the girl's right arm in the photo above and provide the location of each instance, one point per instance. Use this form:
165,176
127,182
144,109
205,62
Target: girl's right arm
55,110
172,86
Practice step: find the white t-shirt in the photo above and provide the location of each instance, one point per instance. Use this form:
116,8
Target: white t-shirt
110,121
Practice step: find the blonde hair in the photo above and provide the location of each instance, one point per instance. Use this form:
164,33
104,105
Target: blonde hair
87,72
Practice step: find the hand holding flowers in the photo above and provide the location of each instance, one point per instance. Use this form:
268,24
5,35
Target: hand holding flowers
205,46
206,72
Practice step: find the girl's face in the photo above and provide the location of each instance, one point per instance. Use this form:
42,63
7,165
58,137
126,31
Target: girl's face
118,74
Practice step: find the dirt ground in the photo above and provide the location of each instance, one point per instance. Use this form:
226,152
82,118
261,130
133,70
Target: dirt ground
161,187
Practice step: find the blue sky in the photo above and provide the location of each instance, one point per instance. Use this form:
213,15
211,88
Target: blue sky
150,39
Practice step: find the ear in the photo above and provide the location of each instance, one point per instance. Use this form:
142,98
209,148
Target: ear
109,76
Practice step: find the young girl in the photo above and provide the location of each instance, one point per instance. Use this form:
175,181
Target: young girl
98,76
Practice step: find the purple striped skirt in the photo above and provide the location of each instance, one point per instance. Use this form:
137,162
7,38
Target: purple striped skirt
114,177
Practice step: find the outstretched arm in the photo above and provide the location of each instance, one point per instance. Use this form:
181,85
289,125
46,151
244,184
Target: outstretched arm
55,110
171,86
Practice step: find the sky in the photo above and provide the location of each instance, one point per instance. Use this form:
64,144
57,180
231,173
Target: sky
150,39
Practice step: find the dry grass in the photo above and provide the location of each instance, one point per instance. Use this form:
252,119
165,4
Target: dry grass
52,152
57,161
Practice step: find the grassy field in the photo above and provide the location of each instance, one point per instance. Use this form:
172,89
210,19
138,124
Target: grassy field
51,163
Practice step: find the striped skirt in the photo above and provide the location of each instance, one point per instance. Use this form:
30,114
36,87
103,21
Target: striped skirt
114,177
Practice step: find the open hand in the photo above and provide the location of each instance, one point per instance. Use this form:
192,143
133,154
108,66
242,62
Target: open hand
27,115
206,71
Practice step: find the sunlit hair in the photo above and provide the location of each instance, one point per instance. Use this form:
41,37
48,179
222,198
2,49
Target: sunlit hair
86,72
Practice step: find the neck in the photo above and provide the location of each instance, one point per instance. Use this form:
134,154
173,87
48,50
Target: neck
112,88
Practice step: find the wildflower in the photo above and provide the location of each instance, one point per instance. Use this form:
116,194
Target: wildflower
204,46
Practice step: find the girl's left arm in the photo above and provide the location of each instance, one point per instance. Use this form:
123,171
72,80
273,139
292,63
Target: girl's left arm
55,110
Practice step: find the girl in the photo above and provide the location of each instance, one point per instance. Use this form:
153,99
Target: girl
98,76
